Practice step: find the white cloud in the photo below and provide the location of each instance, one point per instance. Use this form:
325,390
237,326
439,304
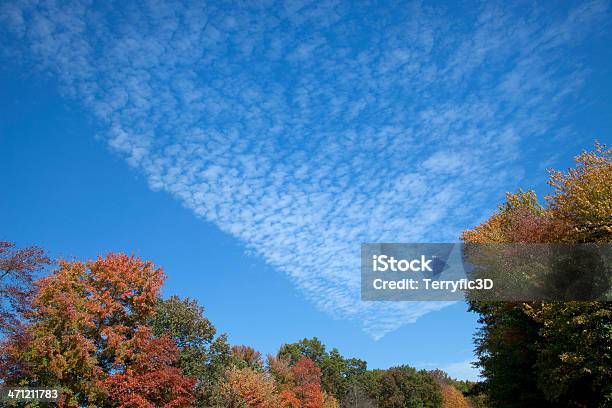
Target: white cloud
463,370
305,129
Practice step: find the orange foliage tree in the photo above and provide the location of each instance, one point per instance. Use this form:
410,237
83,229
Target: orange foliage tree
282,386
88,334
452,397
250,387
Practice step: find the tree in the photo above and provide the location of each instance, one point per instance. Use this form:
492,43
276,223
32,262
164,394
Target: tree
280,369
505,341
89,335
245,356
471,391
404,386
453,391
338,374
18,268
202,354
582,197
452,397
246,387
300,383
307,383
17,272
550,353
334,373
358,396
357,384
310,348
149,379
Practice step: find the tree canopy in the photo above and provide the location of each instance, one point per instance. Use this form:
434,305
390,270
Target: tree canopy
550,353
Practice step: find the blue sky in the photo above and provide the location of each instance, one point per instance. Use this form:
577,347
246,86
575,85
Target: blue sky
249,149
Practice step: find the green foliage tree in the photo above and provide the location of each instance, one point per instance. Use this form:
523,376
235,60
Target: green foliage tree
202,354
310,348
345,379
550,353
404,386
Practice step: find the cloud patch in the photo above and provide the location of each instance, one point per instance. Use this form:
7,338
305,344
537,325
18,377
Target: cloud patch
305,128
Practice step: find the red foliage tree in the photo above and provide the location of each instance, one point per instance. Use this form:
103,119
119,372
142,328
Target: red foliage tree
89,335
288,399
307,379
147,378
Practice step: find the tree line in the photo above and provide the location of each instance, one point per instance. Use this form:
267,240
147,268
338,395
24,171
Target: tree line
101,331
551,354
